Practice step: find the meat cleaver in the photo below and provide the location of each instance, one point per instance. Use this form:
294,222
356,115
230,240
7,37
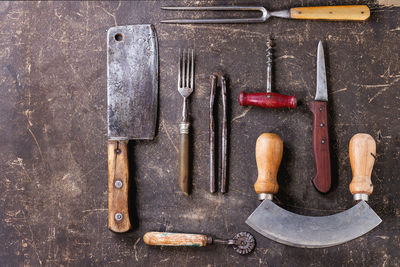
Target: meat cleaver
132,96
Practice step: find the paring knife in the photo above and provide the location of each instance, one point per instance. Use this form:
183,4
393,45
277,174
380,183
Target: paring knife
132,96
322,160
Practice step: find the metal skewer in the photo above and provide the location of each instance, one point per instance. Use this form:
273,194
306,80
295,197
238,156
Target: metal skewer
212,133
224,137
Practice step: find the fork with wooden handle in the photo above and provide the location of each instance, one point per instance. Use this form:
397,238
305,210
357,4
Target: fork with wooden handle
347,12
185,88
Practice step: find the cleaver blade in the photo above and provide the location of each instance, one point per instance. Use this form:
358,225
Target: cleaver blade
132,98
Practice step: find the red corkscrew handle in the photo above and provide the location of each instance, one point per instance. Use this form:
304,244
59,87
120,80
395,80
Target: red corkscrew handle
267,100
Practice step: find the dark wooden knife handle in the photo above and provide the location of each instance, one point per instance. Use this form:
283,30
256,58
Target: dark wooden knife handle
183,157
322,159
118,184
267,100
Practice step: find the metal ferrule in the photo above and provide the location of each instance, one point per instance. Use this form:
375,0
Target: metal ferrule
359,197
209,240
280,14
264,196
184,127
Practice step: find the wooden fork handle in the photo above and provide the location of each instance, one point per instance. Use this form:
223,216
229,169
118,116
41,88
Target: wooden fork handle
183,157
349,12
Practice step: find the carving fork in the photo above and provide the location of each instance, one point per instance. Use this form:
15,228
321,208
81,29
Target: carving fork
348,12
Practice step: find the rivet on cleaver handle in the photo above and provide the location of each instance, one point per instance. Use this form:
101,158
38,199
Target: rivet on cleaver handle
132,96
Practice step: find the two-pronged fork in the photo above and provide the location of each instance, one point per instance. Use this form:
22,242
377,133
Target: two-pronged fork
349,12
185,88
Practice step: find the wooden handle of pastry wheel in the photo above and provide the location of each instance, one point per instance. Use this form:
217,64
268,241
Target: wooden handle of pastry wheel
269,150
175,239
362,152
351,12
118,184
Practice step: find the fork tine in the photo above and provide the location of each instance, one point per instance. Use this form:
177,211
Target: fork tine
213,8
179,68
187,68
192,71
264,16
183,68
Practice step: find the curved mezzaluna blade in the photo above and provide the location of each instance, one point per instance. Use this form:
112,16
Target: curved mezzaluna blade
292,229
322,90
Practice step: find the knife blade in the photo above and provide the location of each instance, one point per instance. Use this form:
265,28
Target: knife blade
322,162
132,98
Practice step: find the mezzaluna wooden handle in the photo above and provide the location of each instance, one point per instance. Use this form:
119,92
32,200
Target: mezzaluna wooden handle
267,100
175,239
350,12
322,157
183,157
362,152
118,185
269,151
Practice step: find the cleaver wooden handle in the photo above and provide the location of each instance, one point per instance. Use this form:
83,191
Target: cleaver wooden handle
175,239
322,158
362,152
350,12
269,151
118,184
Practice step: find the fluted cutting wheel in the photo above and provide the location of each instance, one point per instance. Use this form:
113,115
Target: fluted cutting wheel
244,243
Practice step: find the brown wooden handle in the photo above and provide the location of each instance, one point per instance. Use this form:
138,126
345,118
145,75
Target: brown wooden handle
350,12
269,150
362,152
118,184
322,158
183,157
174,239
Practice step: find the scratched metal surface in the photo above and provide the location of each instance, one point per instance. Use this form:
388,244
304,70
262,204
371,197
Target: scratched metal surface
53,125
132,82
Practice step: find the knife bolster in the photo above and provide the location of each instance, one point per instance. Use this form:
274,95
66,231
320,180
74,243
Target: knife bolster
118,185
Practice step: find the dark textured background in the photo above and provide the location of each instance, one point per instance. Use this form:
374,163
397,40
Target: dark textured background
53,165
